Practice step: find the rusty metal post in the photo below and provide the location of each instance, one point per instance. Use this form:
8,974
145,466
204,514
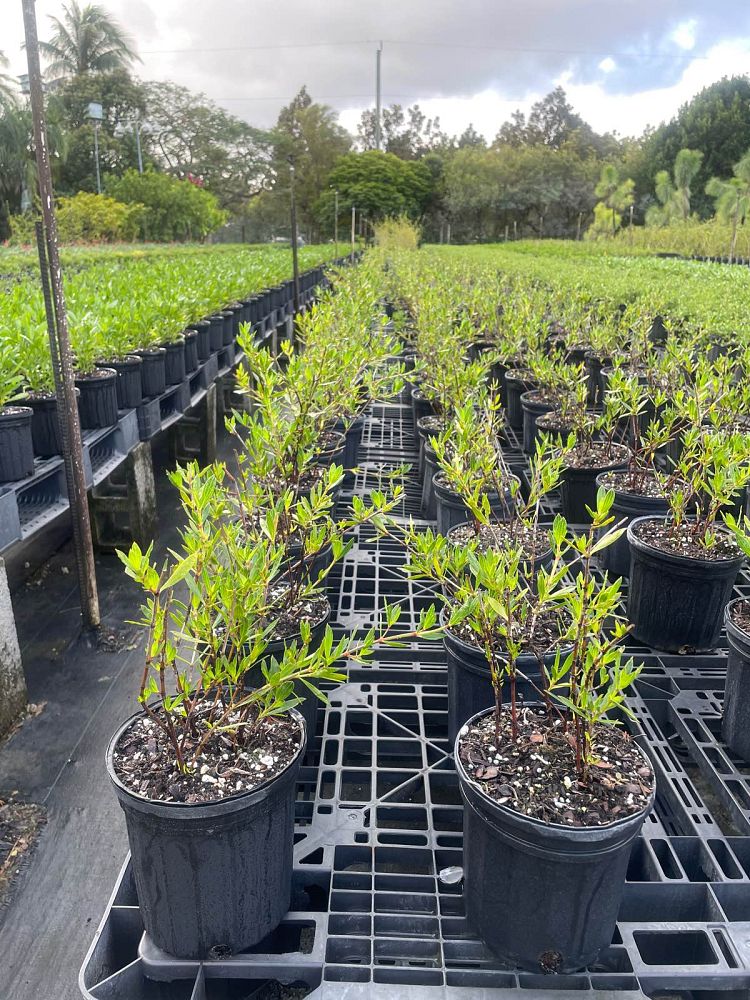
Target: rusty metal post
62,356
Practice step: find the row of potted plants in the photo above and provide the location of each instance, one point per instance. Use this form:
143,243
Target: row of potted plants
127,353
638,435
238,636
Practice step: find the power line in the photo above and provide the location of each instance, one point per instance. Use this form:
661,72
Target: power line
468,46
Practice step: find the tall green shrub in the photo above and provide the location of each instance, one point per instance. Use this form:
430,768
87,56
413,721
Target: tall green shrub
174,209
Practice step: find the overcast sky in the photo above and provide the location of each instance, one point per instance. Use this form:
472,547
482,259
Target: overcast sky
625,64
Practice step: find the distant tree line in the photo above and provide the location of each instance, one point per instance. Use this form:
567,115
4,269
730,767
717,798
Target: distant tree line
545,173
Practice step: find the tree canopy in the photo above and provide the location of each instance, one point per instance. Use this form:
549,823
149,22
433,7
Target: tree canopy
86,40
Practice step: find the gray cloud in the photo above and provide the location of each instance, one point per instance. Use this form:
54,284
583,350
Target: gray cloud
432,48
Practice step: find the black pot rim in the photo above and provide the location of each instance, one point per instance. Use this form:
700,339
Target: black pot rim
675,558
532,821
199,809
439,484
322,621
463,645
96,379
627,493
129,360
15,411
148,351
610,467
531,402
530,557
729,624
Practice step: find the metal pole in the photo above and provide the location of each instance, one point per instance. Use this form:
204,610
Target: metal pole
354,218
336,220
96,158
138,142
62,357
377,95
295,260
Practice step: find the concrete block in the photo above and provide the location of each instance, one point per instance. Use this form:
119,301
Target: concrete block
12,680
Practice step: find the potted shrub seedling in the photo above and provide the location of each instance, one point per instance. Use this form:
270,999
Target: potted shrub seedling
735,723
97,402
16,443
591,450
205,772
684,564
555,792
638,489
469,459
116,344
39,394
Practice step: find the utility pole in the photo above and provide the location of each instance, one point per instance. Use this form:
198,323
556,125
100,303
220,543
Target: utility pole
354,222
336,219
95,114
293,211
578,227
138,141
377,95
57,326
96,158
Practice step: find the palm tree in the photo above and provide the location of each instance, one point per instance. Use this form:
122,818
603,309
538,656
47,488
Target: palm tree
86,40
674,197
732,197
7,85
616,195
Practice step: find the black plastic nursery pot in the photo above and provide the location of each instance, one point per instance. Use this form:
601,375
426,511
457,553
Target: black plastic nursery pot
308,708
532,408
735,723
174,362
216,332
553,424
676,602
542,896
353,441
517,382
424,432
212,878
97,403
595,382
420,405
469,682
129,386
16,443
431,467
153,371
452,511
191,351
227,327
578,487
45,427
333,453
203,343
615,559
